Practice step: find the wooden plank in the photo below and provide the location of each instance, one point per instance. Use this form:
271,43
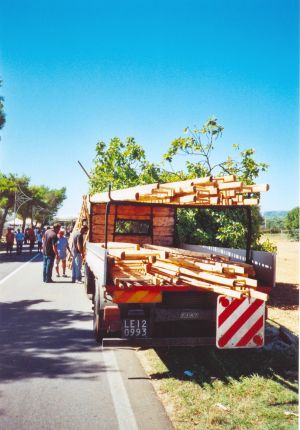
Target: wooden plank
164,230
177,251
136,254
163,212
163,221
227,178
134,210
201,181
249,202
100,219
206,191
99,209
134,217
150,198
133,238
188,199
122,245
100,237
100,229
126,194
222,279
230,185
211,287
163,240
257,188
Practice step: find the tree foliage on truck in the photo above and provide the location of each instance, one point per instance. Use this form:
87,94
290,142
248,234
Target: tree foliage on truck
125,164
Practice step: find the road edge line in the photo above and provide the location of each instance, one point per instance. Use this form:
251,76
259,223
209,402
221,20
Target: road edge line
122,406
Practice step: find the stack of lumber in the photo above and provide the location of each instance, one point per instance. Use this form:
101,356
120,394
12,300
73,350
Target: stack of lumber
222,190
170,266
225,190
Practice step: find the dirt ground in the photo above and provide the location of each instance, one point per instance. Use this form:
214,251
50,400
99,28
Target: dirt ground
284,301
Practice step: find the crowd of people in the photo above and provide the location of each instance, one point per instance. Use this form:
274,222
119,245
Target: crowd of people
53,243
55,247
29,236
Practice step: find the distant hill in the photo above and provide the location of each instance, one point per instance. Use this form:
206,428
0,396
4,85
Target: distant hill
275,214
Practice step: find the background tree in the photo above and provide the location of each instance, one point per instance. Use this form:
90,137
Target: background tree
2,114
43,204
9,185
292,223
226,228
121,164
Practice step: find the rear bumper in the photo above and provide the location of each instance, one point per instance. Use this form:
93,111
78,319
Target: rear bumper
159,342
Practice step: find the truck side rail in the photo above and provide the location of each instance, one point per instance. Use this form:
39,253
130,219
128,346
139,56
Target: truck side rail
96,259
263,262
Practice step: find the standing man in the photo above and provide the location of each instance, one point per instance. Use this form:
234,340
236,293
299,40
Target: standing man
31,238
78,254
49,252
19,239
9,237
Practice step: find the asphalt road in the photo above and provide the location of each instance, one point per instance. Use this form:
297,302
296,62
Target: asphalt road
53,374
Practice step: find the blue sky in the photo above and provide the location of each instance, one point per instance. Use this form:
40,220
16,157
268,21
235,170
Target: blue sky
77,72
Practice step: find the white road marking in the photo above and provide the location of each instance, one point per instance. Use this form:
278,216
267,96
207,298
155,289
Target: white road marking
122,406
17,270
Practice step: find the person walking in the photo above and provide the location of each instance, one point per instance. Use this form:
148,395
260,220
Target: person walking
39,238
49,252
78,254
9,237
19,239
31,238
62,247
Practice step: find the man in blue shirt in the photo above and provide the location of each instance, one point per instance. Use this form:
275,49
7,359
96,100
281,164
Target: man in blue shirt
19,239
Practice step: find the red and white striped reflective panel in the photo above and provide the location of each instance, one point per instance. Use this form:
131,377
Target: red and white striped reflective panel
240,322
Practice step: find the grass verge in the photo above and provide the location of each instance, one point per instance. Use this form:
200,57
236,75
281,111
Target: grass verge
228,389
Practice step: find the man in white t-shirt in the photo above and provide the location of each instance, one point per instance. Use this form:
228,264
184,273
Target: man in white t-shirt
62,247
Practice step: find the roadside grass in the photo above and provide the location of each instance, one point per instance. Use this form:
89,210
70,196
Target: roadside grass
236,389
229,389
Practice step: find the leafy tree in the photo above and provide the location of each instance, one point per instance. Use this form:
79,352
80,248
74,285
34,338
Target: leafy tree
8,187
124,164
43,204
292,223
228,228
121,164
200,144
274,225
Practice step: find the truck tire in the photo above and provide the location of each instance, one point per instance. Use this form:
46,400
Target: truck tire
89,280
99,332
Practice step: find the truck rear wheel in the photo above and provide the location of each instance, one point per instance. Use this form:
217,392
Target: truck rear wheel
89,280
99,332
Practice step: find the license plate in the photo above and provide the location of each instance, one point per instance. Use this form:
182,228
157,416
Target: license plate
135,328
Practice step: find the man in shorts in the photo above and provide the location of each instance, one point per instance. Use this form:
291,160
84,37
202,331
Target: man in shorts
62,247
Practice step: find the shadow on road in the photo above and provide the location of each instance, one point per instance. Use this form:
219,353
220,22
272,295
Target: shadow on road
21,258
45,343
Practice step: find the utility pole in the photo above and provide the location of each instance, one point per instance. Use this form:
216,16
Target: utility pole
20,199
